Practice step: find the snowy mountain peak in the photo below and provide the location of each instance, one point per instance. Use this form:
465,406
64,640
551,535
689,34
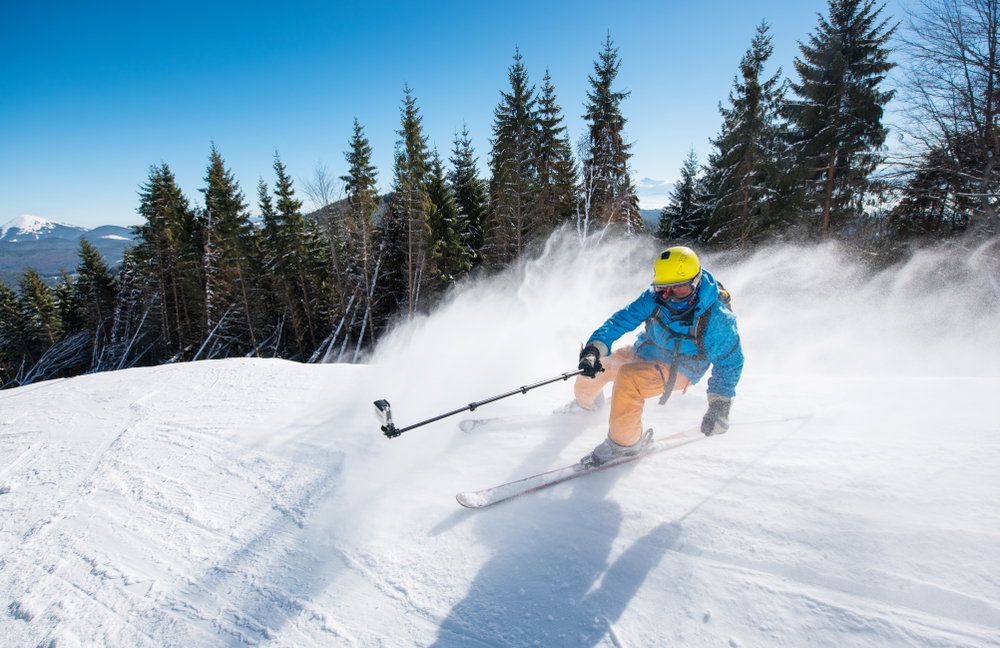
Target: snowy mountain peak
32,228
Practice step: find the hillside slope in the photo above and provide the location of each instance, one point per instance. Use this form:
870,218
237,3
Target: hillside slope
238,502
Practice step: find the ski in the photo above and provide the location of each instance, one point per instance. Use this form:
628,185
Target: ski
504,492
468,425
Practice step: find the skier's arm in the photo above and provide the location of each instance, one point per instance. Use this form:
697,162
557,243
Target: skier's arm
724,351
624,321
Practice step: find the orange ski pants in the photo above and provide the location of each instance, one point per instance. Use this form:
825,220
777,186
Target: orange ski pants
634,380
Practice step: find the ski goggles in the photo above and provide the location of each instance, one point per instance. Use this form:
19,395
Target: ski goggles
677,291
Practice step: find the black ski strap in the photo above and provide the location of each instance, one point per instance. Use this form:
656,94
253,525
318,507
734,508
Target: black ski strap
671,380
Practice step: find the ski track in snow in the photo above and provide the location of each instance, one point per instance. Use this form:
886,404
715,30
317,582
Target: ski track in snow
254,502
176,510
169,510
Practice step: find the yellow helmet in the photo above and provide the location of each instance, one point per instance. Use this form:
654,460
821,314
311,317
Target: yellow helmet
675,265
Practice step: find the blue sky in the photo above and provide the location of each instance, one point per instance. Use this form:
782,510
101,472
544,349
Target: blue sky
92,94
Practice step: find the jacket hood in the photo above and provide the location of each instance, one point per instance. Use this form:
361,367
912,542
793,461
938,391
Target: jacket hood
708,293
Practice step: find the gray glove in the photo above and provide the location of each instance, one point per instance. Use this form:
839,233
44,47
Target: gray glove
716,419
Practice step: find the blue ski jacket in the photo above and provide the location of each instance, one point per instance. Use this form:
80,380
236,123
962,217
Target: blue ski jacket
702,336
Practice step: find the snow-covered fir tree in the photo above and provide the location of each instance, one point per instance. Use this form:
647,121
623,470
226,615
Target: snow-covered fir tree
299,257
229,260
513,166
469,191
167,253
97,293
362,254
610,195
836,117
556,168
743,170
683,218
450,254
406,231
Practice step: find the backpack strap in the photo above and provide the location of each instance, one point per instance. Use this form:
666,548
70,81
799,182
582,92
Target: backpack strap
671,380
701,324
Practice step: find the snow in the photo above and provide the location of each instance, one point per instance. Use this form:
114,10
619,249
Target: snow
28,227
26,224
250,501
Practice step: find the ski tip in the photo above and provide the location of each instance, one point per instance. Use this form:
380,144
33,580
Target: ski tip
471,500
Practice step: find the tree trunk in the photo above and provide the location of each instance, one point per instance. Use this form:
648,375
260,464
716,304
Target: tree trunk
828,199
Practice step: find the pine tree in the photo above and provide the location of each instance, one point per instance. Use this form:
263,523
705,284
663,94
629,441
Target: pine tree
470,194
167,255
557,175
39,310
359,230
13,349
70,305
611,195
684,216
743,170
299,257
276,289
97,293
95,286
411,206
133,337
230,254
451,256
940,198
513,186
392,293
837,119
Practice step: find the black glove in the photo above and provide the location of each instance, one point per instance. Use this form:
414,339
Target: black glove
590,361
716,419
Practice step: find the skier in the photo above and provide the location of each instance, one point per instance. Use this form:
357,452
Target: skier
689,327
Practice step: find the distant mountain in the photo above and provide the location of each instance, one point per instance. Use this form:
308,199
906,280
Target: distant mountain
49,247
651,217
112,232
321,215
33,228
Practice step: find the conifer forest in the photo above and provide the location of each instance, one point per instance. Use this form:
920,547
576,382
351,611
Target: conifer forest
801,156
